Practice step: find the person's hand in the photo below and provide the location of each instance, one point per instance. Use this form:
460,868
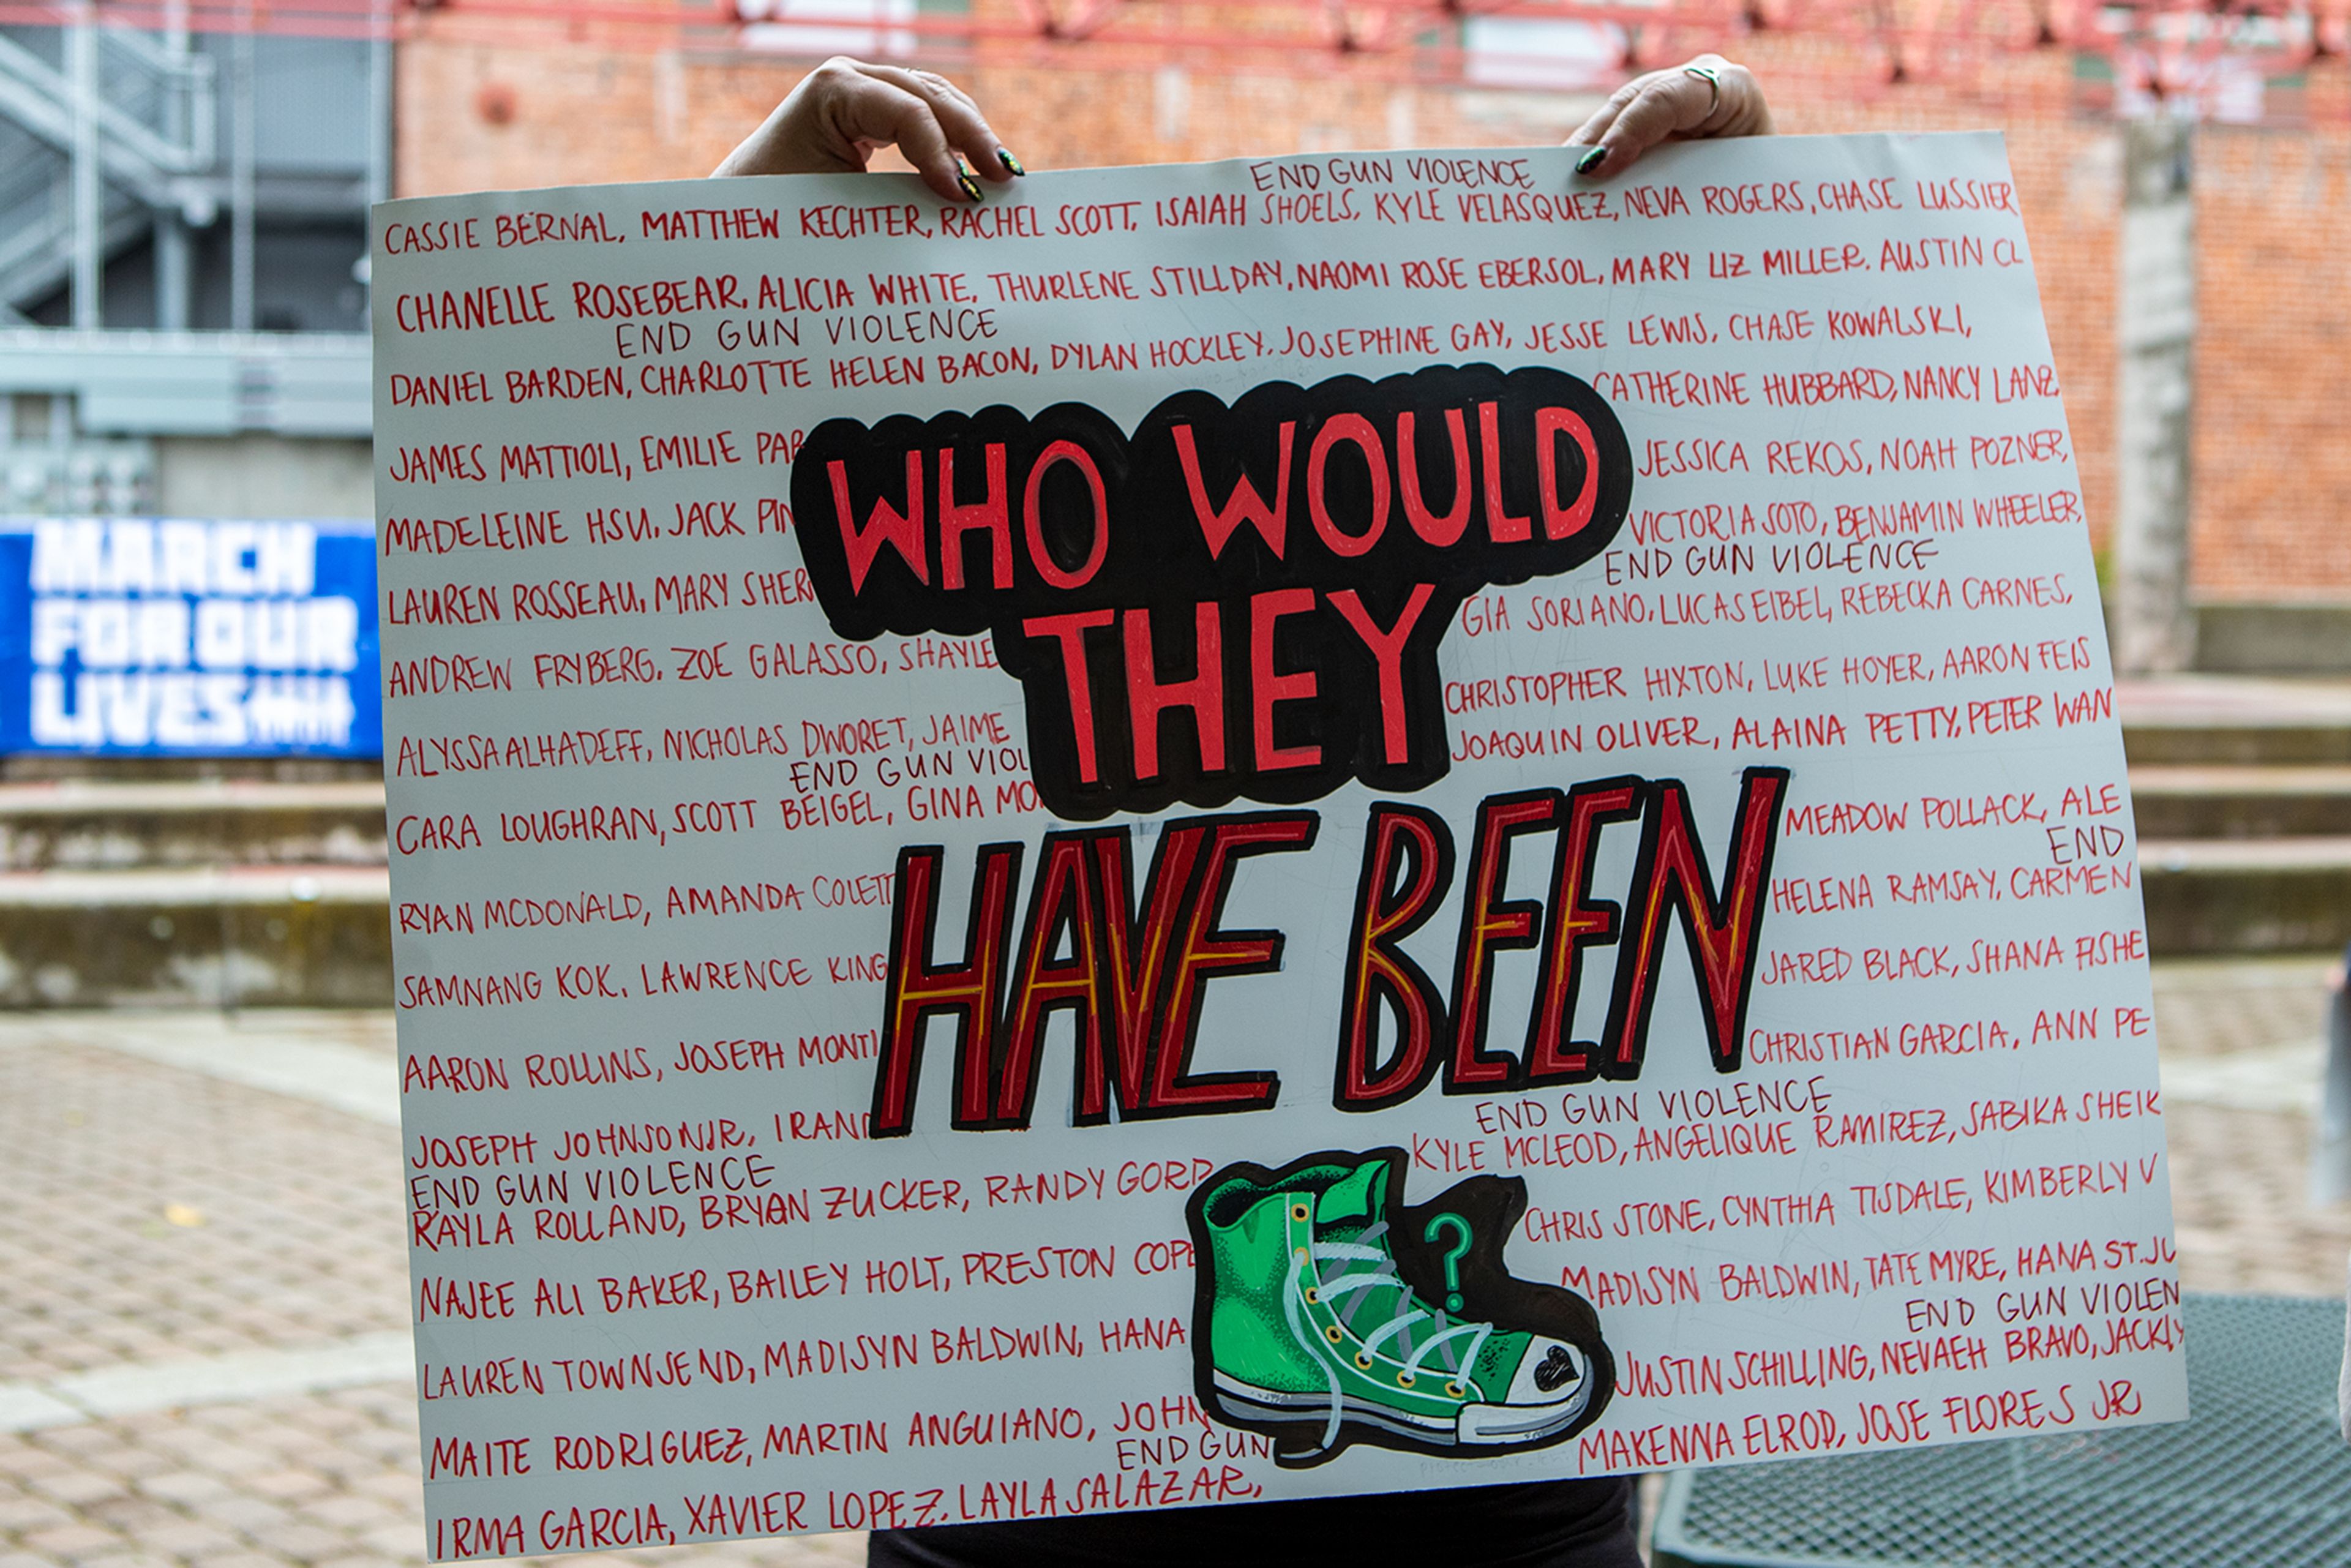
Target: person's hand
1707,97
832,122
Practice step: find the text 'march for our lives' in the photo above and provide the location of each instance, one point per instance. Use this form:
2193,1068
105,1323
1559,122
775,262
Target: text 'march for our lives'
1317,825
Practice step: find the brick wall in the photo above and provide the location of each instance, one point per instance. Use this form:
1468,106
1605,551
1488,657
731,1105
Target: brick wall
2272,461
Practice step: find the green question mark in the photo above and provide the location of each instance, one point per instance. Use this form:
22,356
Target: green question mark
1452,1259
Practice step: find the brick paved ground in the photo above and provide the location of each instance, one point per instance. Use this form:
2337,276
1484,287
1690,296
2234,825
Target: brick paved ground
2237,1176
159,1212
300,1210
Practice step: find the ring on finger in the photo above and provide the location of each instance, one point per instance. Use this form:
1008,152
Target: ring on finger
1713,79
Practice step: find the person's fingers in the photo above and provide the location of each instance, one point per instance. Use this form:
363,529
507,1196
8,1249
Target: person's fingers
1743,111
800,136
1591,130
1667,102
1708,97
966,128
979,140
844,108
875,111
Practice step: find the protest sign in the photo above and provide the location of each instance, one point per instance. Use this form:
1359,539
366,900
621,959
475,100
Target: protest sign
1196,834
188,636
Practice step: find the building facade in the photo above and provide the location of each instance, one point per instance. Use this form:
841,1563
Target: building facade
183,269
179,311
483,106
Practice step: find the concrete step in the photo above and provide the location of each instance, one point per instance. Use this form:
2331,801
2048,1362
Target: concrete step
2314,636
319,936
315,936
2273,895
96,825
2242,721
2215,801
49,767
2168,744
261,884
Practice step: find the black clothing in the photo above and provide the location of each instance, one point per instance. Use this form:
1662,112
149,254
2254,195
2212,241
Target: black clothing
1538,1525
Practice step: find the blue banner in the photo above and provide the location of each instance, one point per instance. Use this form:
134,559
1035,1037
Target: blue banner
189,637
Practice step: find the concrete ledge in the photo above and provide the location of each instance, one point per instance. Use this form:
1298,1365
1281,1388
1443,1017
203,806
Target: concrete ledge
2284,895
2242,743
2239,801
2239,638
99,826
317,936
320,936
2234,719
68,766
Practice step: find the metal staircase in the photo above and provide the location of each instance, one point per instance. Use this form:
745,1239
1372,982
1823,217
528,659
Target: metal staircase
151,120
112,138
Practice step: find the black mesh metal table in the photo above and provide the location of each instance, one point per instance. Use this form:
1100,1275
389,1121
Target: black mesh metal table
2258,1475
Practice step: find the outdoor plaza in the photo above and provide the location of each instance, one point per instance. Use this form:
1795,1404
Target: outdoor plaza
209,1319
202,1285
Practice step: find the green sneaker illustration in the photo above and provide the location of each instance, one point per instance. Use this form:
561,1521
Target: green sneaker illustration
1327,1311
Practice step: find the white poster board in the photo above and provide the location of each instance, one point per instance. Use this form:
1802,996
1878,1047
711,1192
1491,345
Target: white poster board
1236,832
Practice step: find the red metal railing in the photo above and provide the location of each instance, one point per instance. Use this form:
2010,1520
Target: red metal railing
2156,48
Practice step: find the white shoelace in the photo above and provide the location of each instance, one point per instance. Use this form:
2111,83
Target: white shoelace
1383,1273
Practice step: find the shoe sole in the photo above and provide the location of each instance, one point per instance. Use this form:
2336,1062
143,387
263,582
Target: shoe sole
1473,1426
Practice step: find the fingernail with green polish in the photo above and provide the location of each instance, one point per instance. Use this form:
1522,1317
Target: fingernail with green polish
1010,163
970,186
1591,159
